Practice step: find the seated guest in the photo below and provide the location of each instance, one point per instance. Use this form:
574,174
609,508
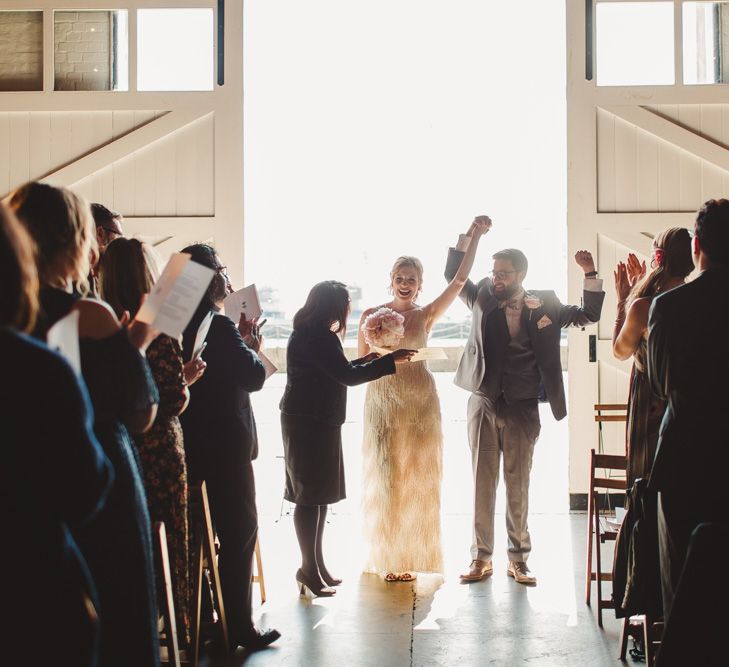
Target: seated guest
53,479
688,366
127,272
313,409
117,543
221,443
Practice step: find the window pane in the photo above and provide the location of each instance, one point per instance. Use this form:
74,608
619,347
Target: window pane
21,51
90,50
635,44
175,49
705,40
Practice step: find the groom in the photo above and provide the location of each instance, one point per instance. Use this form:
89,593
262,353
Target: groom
511,358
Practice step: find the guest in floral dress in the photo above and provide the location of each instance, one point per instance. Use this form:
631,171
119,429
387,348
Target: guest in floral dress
127,272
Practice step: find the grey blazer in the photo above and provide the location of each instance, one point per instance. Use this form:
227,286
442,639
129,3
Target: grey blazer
543,325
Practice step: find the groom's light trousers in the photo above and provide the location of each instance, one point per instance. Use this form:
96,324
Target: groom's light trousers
497,429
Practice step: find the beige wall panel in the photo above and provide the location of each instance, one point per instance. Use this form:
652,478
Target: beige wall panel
204,133
122,122
145,182
605,161
195,186
669,181
61,144
647,172
613,388
19,142
39,148
124,180
4,153
165,155
626,166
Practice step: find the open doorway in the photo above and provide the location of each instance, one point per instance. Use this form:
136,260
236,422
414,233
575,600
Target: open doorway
375,129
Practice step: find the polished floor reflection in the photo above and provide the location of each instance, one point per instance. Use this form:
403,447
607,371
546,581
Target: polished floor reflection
435,620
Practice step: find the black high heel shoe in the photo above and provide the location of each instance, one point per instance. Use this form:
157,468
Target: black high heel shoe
315,588
329,580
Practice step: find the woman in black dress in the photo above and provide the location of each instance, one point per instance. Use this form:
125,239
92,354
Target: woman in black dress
313,409
117,543
53,477
221,443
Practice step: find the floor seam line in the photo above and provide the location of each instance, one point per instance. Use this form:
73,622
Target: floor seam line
412,626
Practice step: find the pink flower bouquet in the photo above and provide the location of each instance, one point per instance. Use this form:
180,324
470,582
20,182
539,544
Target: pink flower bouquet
384,328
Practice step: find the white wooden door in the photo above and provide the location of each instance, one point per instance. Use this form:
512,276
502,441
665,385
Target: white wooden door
170,161
641,158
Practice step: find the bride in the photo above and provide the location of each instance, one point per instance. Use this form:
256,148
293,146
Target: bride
403,442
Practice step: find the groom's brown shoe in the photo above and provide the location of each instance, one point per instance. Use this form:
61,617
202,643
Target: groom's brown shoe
478,570
521,573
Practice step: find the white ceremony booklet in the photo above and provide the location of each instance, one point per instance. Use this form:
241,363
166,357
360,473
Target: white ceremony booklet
62,337
243,301
175,296
202,334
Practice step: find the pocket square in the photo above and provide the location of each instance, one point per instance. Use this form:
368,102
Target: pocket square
544,321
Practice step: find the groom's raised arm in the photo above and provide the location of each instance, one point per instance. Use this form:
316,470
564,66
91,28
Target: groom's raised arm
455,256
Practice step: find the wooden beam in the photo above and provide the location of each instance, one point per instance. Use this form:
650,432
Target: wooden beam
673,133
122,147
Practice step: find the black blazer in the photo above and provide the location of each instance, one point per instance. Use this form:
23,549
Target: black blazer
688,366
543,325
219,417
318,375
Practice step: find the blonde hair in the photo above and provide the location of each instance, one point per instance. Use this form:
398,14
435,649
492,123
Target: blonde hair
63,229
412,262
19,296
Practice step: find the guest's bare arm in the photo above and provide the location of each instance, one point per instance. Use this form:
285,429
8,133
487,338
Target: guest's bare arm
627,339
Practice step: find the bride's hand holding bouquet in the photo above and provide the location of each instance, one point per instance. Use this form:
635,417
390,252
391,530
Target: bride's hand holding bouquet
384,329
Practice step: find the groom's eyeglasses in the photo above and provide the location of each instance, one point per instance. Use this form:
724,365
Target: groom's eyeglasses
501,275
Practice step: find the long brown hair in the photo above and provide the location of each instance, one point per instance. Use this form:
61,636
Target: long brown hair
326,306
672,248
18,276
63,229
127,271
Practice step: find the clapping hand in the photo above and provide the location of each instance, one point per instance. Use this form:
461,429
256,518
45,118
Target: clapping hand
636,269
622,281
584,260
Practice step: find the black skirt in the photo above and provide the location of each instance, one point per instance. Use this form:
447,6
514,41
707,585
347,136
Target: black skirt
314,466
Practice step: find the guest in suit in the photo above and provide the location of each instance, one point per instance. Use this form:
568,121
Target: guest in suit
313,409
221,443
108,226
53,478
511,356
689,368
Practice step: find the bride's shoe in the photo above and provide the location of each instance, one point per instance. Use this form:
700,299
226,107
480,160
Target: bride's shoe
315,588
329,580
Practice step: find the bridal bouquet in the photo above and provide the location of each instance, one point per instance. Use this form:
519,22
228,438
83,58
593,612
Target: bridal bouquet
383,328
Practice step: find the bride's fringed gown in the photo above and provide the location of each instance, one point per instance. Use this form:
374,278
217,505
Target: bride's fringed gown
402,455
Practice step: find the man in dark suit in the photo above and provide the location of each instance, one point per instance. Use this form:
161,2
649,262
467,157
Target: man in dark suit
511,357
688,366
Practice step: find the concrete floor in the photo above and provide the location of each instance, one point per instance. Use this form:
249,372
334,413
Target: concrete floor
435,620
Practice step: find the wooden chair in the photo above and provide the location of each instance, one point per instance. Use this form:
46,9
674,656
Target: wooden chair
257,577
204,554
599,532
167,603
650,632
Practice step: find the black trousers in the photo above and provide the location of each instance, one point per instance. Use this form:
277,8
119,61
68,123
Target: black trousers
232,494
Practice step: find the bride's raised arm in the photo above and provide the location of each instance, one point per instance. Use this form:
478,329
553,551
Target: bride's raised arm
435,310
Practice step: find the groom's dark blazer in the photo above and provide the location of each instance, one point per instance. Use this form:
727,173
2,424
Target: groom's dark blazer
688,366
543,325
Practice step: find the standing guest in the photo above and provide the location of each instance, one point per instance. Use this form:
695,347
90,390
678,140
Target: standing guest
108,226
511,356
118,541
53,478
688,367
670,264
221,443
313,409
127,272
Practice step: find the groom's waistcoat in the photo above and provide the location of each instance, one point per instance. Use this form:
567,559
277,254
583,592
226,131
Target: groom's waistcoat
511,364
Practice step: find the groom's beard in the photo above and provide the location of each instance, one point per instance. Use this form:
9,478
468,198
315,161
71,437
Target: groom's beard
508,292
